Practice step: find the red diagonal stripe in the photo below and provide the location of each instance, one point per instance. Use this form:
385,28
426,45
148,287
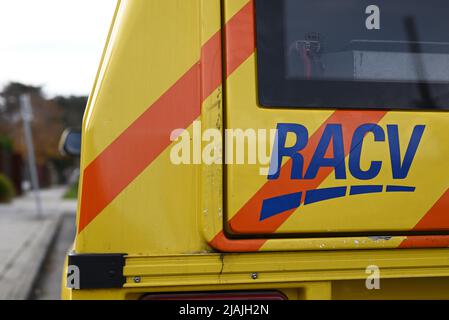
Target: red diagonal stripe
240,44
140,144
125,158
247,219
240,38
211,66
436,219
425,242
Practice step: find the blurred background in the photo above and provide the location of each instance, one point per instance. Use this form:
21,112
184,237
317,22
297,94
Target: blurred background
49,53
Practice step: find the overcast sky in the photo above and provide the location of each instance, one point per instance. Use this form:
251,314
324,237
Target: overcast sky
53,43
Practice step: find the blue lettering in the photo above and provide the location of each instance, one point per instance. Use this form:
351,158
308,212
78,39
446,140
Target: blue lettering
302,137
332,133
356,152
401,170
332,142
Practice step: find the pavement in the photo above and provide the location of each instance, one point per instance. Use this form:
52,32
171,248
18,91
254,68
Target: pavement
48,284
25,240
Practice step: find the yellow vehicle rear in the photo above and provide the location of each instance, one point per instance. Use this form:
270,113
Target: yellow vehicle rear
346,196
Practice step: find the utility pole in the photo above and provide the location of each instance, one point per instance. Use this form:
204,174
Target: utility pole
27,117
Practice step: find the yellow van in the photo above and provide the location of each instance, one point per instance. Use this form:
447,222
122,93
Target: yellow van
267,149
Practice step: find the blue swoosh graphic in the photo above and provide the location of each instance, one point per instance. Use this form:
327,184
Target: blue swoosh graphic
319,195
400,189
278,205
274,206
358,190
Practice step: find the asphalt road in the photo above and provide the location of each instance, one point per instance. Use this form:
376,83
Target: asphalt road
48,285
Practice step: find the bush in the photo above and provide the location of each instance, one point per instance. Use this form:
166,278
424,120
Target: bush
72,192
7,191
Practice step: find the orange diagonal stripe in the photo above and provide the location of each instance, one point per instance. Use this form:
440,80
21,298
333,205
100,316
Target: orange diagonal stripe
240,38
247,219
141,143
435,220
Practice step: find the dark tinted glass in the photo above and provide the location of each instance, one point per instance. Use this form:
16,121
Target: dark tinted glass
353,53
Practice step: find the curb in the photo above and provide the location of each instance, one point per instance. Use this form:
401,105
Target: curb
19,279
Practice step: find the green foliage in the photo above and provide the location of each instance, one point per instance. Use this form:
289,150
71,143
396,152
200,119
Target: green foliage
72,193
7,191
5,143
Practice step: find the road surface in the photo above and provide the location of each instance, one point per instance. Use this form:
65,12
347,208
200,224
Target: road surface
48,286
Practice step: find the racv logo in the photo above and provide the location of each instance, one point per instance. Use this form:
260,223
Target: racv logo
330,153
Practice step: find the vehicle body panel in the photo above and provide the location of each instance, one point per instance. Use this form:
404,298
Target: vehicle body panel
191,64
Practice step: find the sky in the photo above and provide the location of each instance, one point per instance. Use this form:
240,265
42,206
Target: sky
56,44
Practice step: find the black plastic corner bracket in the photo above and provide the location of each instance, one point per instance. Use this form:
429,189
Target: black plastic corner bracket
95,271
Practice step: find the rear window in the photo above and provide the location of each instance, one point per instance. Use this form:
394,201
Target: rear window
353,53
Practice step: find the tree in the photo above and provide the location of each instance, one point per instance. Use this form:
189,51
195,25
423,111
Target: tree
73,109
47,124
51,117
